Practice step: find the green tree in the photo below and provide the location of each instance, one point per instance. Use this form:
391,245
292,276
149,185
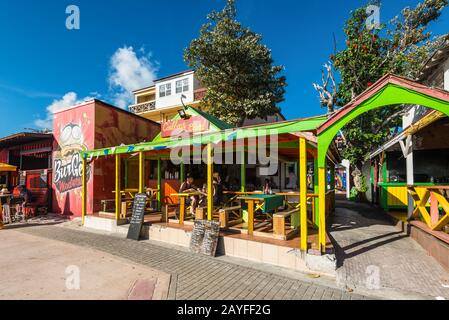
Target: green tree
236,68
399,47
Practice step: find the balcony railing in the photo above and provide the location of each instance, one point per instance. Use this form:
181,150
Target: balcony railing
199,94
143,107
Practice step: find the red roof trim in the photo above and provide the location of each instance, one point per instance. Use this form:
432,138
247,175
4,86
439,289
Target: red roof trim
377,87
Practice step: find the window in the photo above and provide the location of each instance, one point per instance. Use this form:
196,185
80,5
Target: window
162,91
182,86
165,90
168,89
179,86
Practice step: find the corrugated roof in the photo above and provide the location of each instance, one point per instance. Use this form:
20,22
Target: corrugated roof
22,138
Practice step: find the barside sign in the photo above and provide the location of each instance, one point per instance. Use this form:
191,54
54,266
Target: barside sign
195,124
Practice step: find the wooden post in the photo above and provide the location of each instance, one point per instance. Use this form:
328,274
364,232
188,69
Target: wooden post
182,175
159,185
243,172
316,190
303,191
84,190
141,172
322,209
250,217
407,150
182,210
434,211
210,189
126,172
118,195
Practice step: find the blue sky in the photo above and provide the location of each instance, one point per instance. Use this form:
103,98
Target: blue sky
41,61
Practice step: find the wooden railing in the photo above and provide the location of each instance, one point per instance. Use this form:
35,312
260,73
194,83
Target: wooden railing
437,197
143,107
199,94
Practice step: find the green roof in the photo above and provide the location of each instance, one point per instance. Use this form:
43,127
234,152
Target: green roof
158,144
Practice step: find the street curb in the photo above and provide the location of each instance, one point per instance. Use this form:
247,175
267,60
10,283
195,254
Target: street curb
172,287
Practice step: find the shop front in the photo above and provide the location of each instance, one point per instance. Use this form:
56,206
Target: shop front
26,162
268,174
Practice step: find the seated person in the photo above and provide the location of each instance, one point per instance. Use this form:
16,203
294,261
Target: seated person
268,187
24,198
188,187
203,197
218,192
292,180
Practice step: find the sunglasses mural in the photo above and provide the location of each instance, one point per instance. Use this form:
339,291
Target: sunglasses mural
73,131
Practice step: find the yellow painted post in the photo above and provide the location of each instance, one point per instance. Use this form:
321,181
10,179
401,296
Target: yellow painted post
84,190
303,190
118,195
210,172
141,172
322,209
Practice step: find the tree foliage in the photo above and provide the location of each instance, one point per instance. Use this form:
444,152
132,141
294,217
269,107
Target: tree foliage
399,47
236,68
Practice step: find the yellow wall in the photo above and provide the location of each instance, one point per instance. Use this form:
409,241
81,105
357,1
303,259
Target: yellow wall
398,196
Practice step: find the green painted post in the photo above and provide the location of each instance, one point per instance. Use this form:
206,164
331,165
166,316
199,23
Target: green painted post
159,184
126,173
316,191
182,173
243,173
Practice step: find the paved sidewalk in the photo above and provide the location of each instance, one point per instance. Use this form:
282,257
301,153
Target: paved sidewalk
197,277
40,268
369,245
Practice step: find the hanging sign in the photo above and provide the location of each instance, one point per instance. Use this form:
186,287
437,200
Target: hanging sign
178,127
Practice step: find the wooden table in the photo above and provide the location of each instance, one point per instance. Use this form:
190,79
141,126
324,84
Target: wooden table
182,203
257,202
131,192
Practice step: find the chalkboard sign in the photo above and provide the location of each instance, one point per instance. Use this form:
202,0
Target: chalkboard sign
136,222
204,238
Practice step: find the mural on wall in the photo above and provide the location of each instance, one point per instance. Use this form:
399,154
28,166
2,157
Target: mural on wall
67,160
73,132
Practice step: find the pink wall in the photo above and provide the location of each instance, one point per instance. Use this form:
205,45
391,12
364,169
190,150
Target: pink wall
92,125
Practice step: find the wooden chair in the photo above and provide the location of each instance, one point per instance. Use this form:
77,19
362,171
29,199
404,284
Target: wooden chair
281,229
230,216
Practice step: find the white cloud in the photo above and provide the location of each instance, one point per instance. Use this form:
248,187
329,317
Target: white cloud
70,99
129,72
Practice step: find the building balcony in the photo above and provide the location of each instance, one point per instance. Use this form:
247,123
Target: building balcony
199,94
143,107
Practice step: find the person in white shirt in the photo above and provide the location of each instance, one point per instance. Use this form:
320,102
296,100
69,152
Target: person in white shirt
292,180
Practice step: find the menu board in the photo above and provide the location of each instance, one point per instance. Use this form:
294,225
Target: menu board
137,217
204,238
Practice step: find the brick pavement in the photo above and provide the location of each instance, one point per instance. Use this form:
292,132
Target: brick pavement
197,277
368,244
